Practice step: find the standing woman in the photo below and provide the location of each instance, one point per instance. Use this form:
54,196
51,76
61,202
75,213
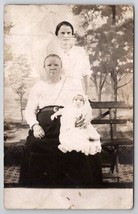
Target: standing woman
85,170
75,61
76,68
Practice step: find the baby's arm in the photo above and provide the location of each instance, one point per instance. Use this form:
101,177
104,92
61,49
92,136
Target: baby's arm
56,114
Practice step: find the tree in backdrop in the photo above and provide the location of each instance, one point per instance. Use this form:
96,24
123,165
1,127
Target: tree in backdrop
106,32
7,47
19,77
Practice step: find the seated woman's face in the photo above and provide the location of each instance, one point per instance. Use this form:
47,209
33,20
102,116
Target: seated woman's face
53,67
65,33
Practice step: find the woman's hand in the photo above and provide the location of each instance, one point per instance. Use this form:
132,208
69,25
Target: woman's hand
80,122
83,121
38,131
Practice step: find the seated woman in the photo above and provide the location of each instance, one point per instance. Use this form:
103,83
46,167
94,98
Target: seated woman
43,163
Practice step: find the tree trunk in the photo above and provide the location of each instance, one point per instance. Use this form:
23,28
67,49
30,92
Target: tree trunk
21,99
115,99
99,99
115,95
113,8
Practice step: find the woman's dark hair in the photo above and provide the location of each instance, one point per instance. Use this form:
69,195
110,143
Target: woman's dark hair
64,23
52,55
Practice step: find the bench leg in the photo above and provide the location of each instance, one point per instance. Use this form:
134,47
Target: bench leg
117,161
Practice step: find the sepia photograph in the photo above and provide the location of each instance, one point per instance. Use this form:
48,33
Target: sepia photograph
68,101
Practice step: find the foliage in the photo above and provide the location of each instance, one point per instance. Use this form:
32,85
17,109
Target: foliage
7,46
19,72
106,32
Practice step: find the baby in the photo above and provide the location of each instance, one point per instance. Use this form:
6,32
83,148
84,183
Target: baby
83,139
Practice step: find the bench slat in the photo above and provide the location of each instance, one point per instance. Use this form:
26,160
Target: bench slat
114,142
107,105
102,115
107,121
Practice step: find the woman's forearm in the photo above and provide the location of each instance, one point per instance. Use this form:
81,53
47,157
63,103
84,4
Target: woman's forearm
30,117
86,83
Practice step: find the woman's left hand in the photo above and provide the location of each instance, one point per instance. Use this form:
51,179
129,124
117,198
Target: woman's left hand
80,122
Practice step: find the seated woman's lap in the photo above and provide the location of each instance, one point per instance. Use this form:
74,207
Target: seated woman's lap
41,145
51,129
74,167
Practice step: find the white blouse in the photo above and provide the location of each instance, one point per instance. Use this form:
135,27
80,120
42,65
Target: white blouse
75,62
44,94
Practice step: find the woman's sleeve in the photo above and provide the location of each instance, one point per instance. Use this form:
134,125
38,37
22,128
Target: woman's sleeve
32,107
88,109
85,63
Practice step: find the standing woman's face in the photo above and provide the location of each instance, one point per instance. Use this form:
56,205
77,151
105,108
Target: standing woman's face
65,33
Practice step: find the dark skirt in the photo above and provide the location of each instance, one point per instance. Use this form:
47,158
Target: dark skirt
44,165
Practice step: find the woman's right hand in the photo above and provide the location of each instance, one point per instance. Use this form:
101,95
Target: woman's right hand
38,131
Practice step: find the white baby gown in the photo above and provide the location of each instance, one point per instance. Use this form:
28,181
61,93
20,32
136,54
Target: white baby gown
85,140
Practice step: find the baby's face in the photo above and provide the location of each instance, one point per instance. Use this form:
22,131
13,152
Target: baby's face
78,101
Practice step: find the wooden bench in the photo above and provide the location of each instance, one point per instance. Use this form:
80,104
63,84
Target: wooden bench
111,143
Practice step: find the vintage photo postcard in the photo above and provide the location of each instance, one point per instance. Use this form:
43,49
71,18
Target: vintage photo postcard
68,106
